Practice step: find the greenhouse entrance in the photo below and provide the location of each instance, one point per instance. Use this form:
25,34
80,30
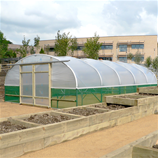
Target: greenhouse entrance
35,84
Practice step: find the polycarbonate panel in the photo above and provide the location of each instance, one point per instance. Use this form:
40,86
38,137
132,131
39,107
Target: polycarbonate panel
150,75
108,75
41,84
139,76
85,74
37,58
27,100
42,101
26,84
26,68
43,67
125,75
12,77
62,76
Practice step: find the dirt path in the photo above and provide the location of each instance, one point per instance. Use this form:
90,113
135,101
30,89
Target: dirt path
11,109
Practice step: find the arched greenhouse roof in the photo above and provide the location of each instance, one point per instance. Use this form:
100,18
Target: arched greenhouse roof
84,73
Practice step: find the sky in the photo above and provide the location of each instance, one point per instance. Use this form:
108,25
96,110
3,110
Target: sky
43,18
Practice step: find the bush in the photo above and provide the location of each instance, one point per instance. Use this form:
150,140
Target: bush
148,62
41,51
138,58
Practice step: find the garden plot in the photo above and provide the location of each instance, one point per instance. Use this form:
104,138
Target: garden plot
134,99
111,107
148,90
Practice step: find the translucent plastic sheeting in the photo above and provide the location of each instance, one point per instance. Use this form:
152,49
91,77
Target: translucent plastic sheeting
62,76
12,77
26,68
27,100
124,74
43,67
41,84
108,75
26,84
40,101
139,75
37,58
86,76
150,75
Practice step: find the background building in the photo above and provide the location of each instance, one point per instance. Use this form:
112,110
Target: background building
113,47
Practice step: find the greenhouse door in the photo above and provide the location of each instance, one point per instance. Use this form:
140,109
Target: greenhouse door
35,84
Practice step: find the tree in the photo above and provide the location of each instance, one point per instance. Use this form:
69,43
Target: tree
148,62
36,42
138,58
73,45
92,46
46,48
155,65
10,54
3,45
130,56
24,49
32,51
64,43
41,51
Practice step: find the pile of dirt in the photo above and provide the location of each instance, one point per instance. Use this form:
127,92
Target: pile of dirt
155,146
47,119
7,126
111,107
84,111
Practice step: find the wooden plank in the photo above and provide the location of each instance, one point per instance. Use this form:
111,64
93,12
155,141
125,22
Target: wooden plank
66,100
140,151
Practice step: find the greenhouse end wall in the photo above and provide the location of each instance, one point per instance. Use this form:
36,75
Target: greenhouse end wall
62,98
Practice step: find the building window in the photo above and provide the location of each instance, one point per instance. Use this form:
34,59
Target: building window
107,47
137,46
79,47
105,58
123,48
123,59
51,49
142,59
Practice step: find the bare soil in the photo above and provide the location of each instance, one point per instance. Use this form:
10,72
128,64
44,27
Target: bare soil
7,126
111,107
47,119
84,111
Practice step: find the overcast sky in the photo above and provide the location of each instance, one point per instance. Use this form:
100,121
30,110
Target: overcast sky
44,18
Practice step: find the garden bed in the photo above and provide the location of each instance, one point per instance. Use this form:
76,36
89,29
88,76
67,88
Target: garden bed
134,99
7,126
148,90
84,111
47,118
111,107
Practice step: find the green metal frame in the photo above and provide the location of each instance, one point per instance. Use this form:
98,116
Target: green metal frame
62,98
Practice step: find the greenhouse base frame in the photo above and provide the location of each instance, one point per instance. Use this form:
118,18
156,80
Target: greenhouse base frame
63,98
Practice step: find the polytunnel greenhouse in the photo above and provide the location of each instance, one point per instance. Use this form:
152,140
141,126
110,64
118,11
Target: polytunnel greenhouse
59,82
